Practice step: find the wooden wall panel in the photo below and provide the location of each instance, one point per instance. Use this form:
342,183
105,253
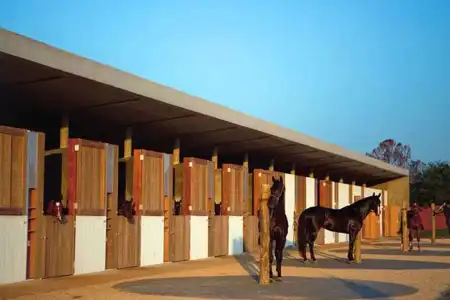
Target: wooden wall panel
234,184
60,247
13,157
260,177
91,180
300,201
195,187
149,184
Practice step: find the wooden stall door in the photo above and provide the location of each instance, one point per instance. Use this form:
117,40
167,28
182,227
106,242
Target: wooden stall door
251,233
371,228
91,178
13,153
325,200
128,241
149,182
300,201
260,177
60,247
391,220
180,239
196,186
233,199
218,236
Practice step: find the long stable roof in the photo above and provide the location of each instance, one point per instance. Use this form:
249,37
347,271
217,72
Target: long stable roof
63,81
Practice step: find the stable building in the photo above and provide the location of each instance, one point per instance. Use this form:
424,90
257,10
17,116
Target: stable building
95,137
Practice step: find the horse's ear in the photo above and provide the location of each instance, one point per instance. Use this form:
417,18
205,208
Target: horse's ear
379,195
273,179
373,194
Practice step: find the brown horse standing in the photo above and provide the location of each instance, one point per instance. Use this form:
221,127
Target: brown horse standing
445,208
414,224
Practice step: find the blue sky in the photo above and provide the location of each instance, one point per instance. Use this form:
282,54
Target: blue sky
348,72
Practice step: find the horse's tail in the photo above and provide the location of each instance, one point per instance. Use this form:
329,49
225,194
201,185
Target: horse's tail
301,232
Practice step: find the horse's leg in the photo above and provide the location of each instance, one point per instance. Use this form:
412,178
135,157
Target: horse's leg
271,256
302,237
281,242
352,237
311,239
418,239
410,237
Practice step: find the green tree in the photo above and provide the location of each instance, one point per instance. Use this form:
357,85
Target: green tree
434,183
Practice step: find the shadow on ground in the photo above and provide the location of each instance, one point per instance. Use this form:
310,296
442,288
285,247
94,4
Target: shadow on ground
335,262
244,287
386,251
427,245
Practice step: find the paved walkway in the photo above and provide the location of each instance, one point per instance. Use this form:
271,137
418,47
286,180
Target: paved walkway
385,273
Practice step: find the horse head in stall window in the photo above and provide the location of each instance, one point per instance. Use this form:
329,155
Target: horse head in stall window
127,208
56,209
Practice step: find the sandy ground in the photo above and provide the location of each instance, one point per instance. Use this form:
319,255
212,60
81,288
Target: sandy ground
385,273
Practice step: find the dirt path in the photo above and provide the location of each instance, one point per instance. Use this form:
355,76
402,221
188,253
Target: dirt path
385,273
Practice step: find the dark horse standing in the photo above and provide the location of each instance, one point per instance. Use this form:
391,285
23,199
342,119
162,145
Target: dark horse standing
445,207
414,225
348,219
278,223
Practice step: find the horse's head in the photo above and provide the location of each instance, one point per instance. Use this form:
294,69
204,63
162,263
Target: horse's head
56,208
276,192
127,209
375,203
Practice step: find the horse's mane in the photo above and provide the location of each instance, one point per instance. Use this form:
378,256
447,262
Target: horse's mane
359,203
281,202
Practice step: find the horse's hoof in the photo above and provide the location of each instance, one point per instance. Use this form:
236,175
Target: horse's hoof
313,261
351,261
303,261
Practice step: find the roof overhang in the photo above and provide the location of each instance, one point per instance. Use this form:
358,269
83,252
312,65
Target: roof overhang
44,78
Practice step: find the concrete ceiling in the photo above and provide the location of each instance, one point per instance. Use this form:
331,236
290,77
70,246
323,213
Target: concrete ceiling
46,80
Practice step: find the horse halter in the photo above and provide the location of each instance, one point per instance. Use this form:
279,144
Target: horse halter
58,213
378,210
277,197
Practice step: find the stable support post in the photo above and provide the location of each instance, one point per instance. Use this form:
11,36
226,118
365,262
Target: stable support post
433,223
245,163
405,240
128,153
264,262
63,144
176,152
272,165
64,132
358,240
128,143
215,158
